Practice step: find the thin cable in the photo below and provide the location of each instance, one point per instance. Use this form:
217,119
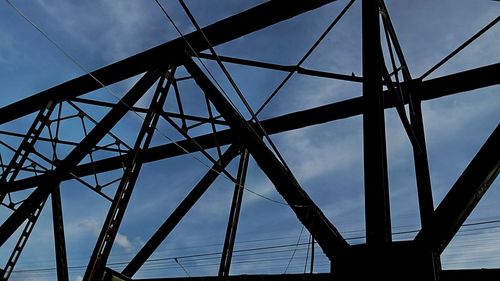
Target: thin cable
294,250
246,250
183,268
93,77
307,253
267,198
195,53
72,59
308,53
461,47
235,87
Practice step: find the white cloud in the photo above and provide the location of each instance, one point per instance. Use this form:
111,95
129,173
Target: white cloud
108,30
89,225
314,152
123,241
456,115
93,227
129,19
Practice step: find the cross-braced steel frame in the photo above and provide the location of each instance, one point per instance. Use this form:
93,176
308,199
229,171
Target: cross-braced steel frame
385,84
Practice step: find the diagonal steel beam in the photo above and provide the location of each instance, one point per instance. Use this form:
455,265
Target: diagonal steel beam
22,240
12,223
26,146
223,31
463,196
179,212
109,231
328,237
427,90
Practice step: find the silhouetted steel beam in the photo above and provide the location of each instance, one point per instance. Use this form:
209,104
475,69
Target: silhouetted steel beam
463,196
26,146
181,210
286,68
234,216
421,162
377,210
469,80
328,237
424,188
223,31
59,239
57,141
459,82
145,110
23,239
116,212
12,223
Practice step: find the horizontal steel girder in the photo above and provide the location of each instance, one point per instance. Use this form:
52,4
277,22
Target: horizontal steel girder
223,31
431,89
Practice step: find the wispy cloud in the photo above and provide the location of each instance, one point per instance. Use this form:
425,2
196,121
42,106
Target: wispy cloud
123,241
314,155
7,48
91,226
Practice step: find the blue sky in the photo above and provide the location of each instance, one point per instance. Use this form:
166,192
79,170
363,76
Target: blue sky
326,159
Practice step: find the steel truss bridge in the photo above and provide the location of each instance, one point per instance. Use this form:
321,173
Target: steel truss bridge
385,84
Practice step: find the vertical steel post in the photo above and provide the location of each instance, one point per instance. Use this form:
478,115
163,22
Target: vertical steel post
377,210
312,256
422,175
424,189
234,216
59,240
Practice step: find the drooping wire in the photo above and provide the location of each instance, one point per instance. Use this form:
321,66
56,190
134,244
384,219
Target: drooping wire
294,250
